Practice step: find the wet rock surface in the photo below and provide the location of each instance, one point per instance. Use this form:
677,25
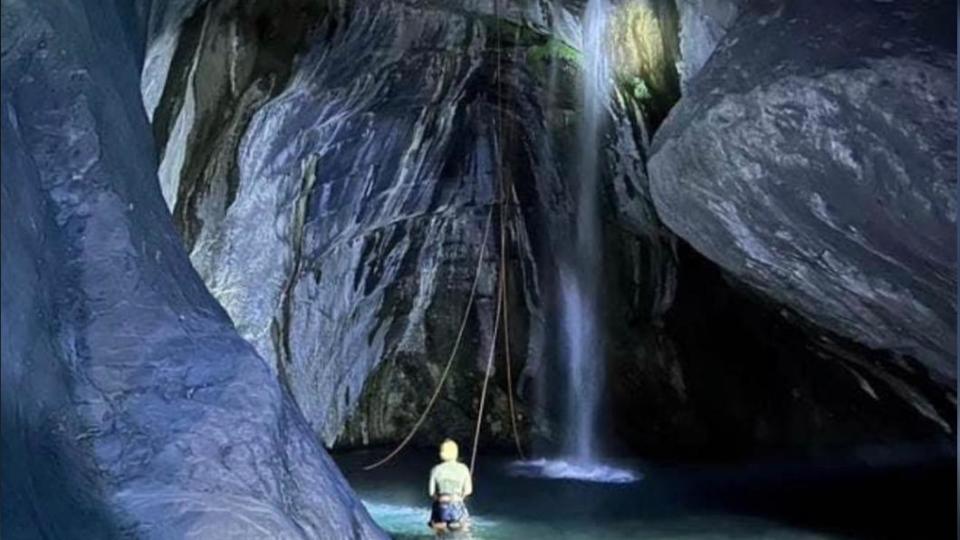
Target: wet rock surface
131,407
334,198
330,168
721,367
703,23
341,222
815,161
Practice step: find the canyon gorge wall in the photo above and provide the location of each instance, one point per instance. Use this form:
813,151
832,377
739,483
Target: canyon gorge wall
778,256
130,405
331,180
335,200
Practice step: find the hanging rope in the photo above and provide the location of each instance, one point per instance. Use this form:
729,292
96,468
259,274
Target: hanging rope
453,352
486,381
502,281
502,304
504,219
506,352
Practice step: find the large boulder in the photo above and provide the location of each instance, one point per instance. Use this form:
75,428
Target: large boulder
131,407
814,158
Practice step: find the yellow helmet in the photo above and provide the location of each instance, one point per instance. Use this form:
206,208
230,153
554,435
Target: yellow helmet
449,450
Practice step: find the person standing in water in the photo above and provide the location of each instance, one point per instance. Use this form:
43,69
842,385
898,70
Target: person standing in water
450,484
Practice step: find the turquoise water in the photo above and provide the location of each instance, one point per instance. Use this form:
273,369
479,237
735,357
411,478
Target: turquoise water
692,503
407,522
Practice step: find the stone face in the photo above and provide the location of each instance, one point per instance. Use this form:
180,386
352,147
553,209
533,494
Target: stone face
164,23
340,219
703,24
815,160
333,191
131,407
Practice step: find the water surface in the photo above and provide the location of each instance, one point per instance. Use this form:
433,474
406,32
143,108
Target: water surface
768,501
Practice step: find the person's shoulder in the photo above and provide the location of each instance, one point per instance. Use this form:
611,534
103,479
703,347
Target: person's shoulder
463,467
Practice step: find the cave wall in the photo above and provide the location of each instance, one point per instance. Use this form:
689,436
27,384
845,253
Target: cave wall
332,188
131,407
703,23
726,374
809,173
719,368
332,193
824,172
340,218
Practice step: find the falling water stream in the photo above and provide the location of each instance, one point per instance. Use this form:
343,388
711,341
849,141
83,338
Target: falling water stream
579,287
582,352
579,279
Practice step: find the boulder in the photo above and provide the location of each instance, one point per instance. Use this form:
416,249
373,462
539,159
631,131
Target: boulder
814,159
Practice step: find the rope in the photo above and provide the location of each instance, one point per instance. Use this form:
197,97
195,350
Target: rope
453,352
506,352
486,381
501,296
501,300
504,217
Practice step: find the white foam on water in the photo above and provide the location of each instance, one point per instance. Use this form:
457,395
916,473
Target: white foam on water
585,472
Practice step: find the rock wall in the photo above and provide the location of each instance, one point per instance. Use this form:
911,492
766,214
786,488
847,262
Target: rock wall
817,163
814,162
333,192
131,407
718,369
341,215
726,374
703,23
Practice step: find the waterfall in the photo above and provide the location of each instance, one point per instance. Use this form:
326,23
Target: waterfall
579,281
596,91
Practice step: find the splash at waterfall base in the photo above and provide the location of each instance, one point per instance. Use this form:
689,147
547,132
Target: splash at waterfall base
572,470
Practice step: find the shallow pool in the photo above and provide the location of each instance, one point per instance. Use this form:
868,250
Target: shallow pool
770,501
